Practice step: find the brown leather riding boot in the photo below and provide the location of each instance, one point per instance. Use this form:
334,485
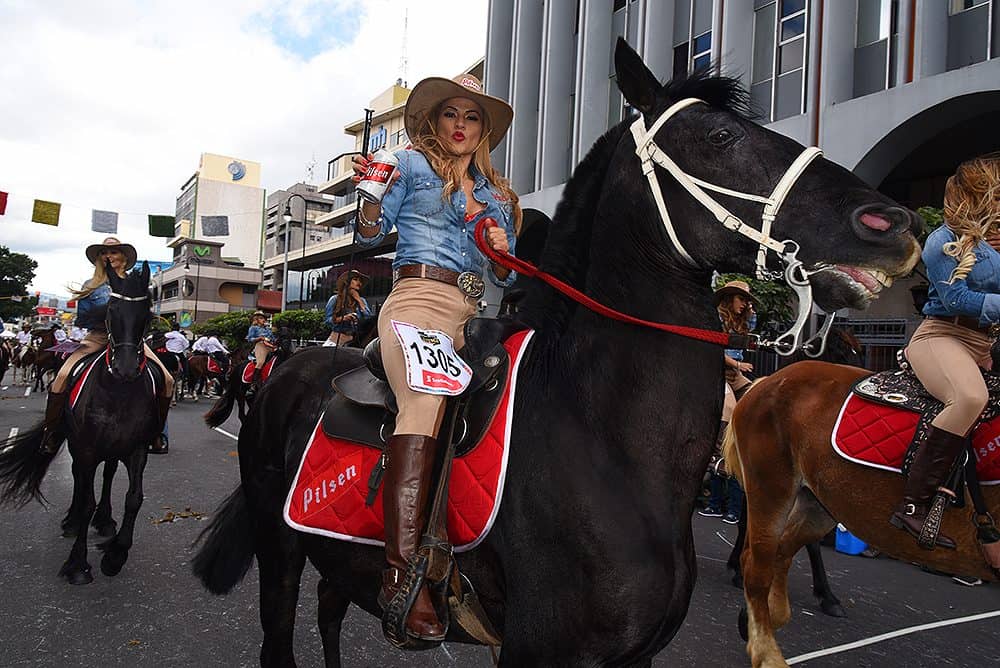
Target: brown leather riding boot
160,445
405,494
929,470
54,435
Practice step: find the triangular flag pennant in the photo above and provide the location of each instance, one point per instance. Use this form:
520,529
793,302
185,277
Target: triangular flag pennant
3,202
215,226
104,221
46,213
161,226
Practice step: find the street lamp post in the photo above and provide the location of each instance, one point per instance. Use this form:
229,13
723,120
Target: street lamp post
287,216
197,280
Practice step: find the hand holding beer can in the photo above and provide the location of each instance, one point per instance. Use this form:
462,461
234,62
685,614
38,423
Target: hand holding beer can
378,176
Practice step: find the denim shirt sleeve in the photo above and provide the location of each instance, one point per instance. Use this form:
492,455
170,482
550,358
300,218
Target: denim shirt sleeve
507,222
957,298
331,304
392,201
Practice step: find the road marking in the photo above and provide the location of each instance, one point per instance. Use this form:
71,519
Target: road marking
802,658
226,433
13,432
27,391
723,539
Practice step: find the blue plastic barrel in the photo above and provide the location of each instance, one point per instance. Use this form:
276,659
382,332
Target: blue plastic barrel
848,543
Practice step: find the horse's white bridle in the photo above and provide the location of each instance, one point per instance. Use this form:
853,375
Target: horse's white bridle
797,277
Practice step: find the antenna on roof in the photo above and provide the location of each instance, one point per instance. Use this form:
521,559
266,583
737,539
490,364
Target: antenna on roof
402,56
311,168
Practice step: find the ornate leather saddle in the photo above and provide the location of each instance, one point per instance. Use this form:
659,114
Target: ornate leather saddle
902,389
363,408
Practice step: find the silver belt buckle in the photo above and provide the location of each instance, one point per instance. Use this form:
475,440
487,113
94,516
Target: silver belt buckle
471,284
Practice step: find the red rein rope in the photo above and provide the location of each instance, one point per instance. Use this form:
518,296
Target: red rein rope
507,260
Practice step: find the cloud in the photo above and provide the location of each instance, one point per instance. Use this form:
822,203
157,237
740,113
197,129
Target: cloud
110,105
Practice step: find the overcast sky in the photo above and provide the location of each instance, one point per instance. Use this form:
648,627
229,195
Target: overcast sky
109,105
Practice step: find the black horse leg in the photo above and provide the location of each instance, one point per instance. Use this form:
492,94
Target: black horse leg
280,560
116,548
733,563
76,569
828,601
332,609
103,521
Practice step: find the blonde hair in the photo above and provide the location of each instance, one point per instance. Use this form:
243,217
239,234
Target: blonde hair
971,209
99,278
445,163
731,322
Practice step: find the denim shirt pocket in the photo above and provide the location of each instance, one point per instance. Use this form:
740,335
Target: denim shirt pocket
427,200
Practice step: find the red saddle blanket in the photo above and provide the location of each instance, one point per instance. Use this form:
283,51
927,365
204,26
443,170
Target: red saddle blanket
82,375
328,494
264,372
878,435
213,366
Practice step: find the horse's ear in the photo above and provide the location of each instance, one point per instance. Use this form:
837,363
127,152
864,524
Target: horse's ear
145,273
636,82
113,279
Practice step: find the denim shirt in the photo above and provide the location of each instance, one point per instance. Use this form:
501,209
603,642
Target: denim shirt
977,295
92,310
257,331
344,327
432,231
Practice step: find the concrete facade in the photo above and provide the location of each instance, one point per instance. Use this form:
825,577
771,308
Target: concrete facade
899,91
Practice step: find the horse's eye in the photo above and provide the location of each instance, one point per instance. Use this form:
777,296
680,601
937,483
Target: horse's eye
721,137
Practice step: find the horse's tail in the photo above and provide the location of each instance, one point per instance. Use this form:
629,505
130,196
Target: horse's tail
22,467
227,545
730,452
223,406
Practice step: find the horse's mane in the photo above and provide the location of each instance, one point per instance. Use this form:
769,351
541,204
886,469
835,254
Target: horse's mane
719,91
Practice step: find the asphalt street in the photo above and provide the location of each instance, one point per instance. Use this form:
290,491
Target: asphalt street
154,613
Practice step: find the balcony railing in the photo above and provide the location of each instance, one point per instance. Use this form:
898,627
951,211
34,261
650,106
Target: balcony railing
339,166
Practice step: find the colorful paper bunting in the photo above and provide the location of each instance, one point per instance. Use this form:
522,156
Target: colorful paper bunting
215,226
161,226
46,213
104,221
3,202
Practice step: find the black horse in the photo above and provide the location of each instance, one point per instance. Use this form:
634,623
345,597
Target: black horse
237,392
591,559
842,348
114,419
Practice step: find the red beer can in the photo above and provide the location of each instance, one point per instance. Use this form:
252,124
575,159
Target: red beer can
378,176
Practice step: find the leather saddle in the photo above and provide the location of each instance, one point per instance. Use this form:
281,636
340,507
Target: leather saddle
903,390
80,368
363,408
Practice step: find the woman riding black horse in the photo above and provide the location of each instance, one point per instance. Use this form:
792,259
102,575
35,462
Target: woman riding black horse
91,313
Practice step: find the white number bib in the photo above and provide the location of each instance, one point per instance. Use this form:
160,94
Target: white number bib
432,365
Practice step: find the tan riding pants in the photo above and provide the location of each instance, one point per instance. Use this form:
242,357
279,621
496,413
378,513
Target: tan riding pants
946,359
93,342
427,304
260,351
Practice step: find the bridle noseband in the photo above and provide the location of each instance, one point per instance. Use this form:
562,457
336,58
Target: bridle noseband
795,273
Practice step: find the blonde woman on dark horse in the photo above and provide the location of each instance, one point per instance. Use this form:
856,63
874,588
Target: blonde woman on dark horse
443,186
92,307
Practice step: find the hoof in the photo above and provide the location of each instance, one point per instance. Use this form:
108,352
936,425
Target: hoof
832,608
77,576
743,623
112,563
107,530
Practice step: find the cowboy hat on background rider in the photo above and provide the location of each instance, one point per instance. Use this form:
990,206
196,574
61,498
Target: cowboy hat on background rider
91,312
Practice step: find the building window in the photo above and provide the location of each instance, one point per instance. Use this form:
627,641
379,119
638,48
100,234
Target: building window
970,39
778,71
399,137
957,6
378,139
876,46
692,36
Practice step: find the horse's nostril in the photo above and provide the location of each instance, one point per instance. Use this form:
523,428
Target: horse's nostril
875,222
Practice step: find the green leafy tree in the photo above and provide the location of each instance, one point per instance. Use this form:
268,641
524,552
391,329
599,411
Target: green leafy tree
305,324
16,271
774,302
933,219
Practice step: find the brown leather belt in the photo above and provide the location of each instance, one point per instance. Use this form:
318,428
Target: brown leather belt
967,322
468,282
425,271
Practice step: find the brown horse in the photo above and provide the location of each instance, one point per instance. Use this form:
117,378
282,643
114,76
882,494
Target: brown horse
23,363
798,488
198,370
46,361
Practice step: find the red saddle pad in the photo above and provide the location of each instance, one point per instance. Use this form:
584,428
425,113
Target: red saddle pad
878,435
264,373
213,366
328,494
84,375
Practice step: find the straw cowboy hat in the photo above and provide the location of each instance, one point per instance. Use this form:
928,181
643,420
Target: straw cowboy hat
258,313
432,90
734,288
94,251
353,273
